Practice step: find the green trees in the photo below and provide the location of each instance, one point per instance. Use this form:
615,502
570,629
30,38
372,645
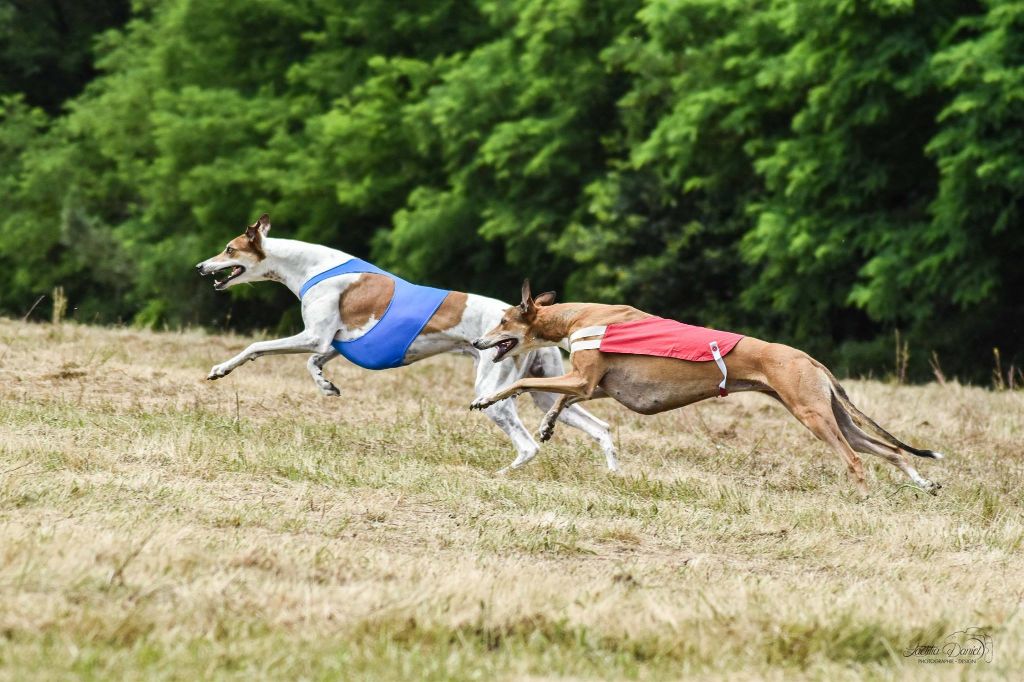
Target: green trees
823,173
967,261
45,46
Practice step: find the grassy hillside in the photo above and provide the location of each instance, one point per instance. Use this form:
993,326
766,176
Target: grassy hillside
155,524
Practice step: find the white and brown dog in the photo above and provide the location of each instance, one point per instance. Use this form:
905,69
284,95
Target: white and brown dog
649,384
339,310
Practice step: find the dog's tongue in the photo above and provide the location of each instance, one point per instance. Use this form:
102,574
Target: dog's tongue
503,348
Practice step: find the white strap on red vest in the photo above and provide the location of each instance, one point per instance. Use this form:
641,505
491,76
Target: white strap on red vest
576,341
721,365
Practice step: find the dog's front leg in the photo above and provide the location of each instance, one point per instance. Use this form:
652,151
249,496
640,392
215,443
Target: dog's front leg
322,319
547,424
570,384
303,342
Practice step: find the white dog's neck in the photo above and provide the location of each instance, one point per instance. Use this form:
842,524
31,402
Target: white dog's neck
293,262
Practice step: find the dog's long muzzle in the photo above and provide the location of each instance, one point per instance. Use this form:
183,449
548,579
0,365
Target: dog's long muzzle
206,268
503,345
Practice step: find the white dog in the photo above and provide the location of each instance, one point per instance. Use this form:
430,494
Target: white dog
377,320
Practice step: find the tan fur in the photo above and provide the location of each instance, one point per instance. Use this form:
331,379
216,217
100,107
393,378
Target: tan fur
369,296
449,314
243,245
649,385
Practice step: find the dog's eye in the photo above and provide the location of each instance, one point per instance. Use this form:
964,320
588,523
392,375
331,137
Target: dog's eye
230,250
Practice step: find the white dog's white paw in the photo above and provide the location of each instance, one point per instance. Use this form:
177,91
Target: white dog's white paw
219,371
329,390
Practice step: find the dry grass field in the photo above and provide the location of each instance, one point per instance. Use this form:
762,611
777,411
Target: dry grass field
155,525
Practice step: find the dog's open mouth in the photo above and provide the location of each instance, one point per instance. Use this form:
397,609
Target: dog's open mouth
235,272
504,346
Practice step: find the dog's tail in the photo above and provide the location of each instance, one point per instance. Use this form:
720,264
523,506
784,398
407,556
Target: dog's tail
862,432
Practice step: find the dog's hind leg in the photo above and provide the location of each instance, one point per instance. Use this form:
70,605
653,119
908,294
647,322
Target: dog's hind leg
816,398
862,441
577,417
552,405
489,377
548,362
315,365
825,428
505,416
563,409
805,391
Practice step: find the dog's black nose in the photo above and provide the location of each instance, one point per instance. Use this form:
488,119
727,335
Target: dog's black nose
478,344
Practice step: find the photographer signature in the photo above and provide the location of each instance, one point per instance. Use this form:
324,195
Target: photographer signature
963,646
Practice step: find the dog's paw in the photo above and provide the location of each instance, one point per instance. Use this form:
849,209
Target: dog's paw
218,372
330,390
481,403
545,432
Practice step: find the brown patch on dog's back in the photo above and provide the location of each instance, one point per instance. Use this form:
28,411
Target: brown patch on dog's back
448,314
369,296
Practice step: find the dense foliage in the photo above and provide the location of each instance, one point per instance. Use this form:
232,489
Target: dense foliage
821,173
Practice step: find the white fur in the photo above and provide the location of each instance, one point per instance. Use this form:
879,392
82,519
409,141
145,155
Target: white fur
293,263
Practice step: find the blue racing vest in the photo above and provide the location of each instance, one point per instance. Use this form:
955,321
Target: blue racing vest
411,307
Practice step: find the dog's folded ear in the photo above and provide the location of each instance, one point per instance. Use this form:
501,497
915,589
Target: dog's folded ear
547,298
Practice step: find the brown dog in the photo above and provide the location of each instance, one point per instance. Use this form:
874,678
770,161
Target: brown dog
649,384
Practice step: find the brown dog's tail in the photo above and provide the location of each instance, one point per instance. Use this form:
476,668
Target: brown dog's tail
862,432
